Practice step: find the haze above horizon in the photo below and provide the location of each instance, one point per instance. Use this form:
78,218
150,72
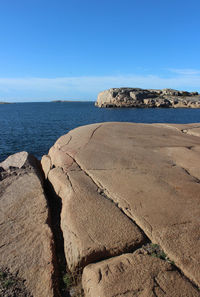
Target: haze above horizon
56,50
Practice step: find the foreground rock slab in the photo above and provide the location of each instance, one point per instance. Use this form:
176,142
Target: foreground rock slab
135,275
150,173
26,244
93,227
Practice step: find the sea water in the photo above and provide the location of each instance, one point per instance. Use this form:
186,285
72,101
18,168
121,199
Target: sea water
34,127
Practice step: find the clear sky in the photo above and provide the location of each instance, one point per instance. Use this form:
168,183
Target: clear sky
73,49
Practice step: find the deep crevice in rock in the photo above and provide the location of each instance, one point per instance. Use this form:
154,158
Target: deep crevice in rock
55,206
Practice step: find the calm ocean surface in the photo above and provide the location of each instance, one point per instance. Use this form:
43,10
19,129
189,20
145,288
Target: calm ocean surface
34,127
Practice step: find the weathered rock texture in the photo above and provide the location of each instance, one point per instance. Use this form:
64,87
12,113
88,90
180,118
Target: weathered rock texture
26,244
135,275
94,228
135,97
113,177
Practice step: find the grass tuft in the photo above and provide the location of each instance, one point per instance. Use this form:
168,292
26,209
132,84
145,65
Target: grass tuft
155,250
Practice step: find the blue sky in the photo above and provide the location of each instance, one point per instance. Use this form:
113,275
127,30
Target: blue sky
73,49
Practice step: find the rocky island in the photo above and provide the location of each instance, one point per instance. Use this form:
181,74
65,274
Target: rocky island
112,210
149,98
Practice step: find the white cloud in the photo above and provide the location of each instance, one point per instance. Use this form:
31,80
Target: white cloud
188,72
27,89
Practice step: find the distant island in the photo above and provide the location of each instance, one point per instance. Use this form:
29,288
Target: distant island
61,101
5,102
149,98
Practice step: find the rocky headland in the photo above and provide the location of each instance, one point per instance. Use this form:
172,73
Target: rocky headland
113,211
149,98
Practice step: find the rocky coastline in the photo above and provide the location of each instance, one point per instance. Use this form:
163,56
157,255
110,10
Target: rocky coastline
112,210
147,98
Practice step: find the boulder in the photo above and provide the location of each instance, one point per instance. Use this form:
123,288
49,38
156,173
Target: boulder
145,175
135,275
19,160
26,242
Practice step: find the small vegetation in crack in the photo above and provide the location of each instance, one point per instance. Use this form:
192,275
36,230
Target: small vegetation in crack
155,250
72,283
11,285
67,280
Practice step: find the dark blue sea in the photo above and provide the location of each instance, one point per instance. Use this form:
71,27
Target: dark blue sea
34,127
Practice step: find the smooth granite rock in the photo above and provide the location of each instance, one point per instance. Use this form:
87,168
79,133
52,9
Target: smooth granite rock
26,243
135,275
135,97
143,173
94,228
